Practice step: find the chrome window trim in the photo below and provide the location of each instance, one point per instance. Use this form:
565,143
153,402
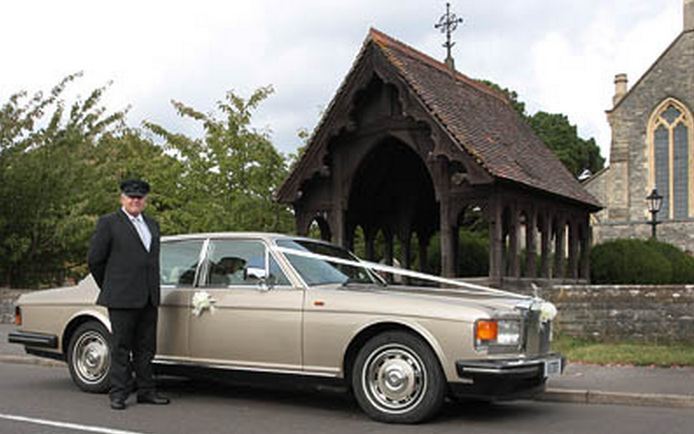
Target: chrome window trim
292,276
201,256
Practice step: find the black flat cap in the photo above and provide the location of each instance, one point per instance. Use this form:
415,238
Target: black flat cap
134,187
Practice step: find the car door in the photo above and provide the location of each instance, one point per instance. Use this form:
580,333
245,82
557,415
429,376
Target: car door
179,267
250,324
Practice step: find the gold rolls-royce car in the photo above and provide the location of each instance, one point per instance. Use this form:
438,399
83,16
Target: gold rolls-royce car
277,304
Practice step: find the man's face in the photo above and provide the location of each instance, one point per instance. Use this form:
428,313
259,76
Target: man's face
134,205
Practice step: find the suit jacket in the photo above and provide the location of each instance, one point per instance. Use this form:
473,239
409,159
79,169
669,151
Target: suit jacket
127,274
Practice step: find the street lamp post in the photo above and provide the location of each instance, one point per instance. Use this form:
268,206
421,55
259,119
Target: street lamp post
655,201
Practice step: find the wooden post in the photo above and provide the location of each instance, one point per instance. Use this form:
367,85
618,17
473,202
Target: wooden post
447,247
513,253
496,241
559,247
531,243
406,250
573,249
455,242
388,247
546,238
584,272
370,235
301,228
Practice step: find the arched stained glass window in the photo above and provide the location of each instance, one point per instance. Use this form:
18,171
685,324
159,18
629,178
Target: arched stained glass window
671,114
662,166
680,172
671,153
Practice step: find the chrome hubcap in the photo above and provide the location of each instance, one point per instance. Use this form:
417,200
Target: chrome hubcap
91,357
394,378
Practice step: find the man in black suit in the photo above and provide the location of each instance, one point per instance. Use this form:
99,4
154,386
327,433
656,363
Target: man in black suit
124,260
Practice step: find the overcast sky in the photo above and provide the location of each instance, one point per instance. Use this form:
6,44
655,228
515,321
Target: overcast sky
559,55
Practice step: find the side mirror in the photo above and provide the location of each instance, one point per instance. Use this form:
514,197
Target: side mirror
259,275
255,273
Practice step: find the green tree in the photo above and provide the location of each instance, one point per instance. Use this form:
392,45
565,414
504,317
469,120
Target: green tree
227,177
561,137
128,154
46,175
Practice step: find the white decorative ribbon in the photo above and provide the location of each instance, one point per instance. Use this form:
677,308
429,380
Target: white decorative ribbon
201,302
469,288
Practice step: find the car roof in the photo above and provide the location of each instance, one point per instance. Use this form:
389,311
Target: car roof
268,236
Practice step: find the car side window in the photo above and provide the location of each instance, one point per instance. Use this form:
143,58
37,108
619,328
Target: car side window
276,274
179,261
229,261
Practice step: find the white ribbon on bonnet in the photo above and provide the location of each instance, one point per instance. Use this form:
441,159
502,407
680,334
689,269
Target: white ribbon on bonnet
547,310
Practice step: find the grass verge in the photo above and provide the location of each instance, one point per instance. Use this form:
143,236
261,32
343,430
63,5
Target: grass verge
624,353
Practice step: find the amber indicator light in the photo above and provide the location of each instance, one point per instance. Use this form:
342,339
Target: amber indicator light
487,330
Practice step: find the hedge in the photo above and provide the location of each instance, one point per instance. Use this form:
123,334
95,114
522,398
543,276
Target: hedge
473,254
631,261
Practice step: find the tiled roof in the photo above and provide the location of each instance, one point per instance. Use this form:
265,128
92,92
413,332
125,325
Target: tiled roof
478,118
482,122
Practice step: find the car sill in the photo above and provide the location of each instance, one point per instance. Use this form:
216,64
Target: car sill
231,367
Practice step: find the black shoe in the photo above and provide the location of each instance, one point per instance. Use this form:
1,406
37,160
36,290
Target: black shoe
118,404
152,398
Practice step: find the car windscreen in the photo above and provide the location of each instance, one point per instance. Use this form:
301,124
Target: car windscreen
316,271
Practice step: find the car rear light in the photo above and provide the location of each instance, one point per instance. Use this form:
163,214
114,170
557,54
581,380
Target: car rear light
17,315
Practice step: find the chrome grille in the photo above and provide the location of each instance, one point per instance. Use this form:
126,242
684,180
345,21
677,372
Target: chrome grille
536,336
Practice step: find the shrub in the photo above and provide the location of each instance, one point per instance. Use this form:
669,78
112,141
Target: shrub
627,261
473,254
682,264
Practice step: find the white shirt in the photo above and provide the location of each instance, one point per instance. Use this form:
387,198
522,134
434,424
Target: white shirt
141,228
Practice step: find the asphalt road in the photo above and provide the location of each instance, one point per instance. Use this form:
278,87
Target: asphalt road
49,400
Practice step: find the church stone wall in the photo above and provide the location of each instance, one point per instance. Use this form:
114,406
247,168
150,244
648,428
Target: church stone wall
626,183
670,77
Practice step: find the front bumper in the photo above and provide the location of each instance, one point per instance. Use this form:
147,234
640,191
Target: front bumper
498,379
33,339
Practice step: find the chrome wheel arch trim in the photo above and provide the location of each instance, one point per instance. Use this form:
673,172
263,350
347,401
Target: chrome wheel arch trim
418,329
98,316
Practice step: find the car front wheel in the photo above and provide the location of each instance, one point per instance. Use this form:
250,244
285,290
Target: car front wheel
89,357
397,378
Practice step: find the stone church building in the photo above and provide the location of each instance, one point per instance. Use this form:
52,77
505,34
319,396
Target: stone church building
652,147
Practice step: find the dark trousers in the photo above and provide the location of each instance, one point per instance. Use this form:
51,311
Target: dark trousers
132,331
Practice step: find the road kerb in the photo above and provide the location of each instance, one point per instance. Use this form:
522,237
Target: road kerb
617,398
